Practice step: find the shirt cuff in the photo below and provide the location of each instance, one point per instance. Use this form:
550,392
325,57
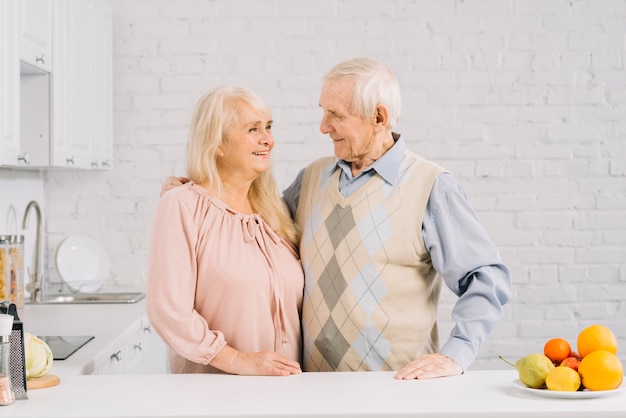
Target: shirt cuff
459,351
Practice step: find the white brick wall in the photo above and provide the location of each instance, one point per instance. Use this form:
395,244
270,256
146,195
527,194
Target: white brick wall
525,101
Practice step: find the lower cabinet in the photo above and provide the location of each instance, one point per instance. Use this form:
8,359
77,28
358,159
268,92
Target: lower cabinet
141,352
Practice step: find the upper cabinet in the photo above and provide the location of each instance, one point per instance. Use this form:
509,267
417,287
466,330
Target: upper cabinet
9,83
56,84
82,84
36,33
34,117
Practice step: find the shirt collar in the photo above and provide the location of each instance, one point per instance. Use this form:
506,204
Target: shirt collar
386,166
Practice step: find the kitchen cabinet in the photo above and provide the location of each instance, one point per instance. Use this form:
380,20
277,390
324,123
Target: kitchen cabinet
9,83
36,33
155,352
56,84
139,352
122,328
102,131
34,117
82,85
35,53
25,65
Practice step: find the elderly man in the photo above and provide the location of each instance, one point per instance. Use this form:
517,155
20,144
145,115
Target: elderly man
382,229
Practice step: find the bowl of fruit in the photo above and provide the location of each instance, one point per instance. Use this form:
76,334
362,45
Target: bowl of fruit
594,370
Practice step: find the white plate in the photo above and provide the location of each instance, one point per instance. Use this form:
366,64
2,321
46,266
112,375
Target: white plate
82,263
583,394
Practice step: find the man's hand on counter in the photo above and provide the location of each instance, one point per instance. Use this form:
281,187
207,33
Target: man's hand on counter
429,366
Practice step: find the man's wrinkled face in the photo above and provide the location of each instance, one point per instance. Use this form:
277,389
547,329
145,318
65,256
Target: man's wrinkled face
353,137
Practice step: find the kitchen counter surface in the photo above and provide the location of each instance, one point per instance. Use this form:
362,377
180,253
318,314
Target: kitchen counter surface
489,393
373,394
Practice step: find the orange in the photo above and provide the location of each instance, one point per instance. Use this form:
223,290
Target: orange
594,338
601,370
557,350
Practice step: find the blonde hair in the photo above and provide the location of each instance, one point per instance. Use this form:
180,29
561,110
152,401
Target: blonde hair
374,84
213,115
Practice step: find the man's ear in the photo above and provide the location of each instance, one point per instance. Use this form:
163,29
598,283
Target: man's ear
382,116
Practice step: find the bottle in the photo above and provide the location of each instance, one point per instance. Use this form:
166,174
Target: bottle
7,396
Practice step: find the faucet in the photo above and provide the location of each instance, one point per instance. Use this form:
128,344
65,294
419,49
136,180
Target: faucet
34,286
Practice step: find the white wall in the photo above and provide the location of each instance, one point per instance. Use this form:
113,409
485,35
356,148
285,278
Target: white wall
525,101
17,188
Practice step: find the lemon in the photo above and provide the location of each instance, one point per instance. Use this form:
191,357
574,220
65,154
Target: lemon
563,378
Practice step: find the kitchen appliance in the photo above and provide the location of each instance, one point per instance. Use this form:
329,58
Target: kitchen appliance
64,346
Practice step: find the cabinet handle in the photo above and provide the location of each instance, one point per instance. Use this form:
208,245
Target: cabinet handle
70,160
24,158
138,347
117,356
94,164
40,59
148,329
105,163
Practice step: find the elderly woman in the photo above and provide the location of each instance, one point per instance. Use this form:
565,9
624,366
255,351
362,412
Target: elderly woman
225,282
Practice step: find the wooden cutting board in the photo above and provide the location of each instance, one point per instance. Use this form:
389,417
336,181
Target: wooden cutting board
45,381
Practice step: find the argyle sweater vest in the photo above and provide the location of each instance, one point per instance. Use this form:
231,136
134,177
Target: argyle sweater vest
371,293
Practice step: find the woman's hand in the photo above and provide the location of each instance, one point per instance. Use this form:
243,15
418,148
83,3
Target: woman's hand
267,363
172,182
261,363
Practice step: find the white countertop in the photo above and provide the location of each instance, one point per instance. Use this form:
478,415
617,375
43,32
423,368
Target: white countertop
371,394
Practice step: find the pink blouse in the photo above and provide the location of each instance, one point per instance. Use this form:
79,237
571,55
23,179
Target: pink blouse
220,277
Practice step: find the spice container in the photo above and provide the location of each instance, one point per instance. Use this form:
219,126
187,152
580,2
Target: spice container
7,396
12,269
16,267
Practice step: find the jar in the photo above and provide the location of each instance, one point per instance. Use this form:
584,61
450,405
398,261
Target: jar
12,269
16,269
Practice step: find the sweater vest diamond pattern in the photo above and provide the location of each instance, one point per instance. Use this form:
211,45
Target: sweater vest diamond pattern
363,258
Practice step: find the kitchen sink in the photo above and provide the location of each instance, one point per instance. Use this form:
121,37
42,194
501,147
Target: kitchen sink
76,298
